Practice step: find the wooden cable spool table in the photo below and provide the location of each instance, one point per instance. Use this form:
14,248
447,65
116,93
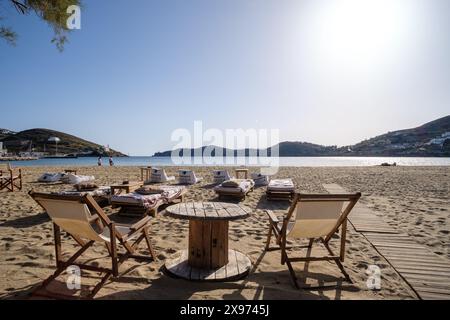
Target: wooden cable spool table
208,257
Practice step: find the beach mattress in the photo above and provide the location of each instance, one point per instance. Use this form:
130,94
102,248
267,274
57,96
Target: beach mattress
245,185
149,201
76,179
281,185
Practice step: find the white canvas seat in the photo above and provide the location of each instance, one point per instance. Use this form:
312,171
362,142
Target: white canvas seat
313,216
87,223
188,177
220,176
159,175
260,179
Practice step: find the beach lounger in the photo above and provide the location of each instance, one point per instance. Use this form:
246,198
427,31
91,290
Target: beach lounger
313,216
76,179
280,189
101,195
87,223
260,179
49,177
236,188
220,176
147,204
188,177
11,179
160,175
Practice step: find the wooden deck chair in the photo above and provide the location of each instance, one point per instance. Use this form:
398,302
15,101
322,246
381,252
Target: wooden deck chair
83,219
11,181
313,216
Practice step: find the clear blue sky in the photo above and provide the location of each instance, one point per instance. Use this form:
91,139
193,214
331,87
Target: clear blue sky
328,72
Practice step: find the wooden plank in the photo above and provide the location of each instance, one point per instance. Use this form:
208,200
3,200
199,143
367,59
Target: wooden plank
424,265
442,279
415,270
190,211
426,272
232,266
196,243
433,290
219,246
243,262
399,258
432,285
198,209
433,296
398,247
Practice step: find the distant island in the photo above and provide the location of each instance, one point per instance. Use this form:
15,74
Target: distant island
429,140
41,143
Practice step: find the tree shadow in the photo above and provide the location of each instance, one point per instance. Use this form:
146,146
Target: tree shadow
27,221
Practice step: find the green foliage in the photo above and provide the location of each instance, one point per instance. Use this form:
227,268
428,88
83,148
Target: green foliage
53,12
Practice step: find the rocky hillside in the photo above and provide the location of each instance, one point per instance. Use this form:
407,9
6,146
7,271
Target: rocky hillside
430,139
37,141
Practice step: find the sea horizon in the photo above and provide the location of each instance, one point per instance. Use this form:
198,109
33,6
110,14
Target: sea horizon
319,161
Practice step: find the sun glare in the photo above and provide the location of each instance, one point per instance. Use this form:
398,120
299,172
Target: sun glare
358,34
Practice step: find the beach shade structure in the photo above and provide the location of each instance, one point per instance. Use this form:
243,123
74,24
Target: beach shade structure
220,176
159,175
313,216
11,179
55,140
260,179
83,219
280,189
188,177
236,188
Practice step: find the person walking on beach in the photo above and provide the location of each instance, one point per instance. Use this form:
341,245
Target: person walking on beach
99,161
111,162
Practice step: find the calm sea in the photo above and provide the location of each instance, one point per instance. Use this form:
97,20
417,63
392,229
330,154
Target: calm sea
250,161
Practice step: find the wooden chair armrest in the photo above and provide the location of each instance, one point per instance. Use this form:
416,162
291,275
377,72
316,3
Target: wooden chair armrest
273,218
140,223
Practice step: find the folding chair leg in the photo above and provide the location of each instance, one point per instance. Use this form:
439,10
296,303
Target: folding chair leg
337,261
99,285
291,271
341,267
269,237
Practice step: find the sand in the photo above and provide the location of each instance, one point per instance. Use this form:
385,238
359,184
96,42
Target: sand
413,199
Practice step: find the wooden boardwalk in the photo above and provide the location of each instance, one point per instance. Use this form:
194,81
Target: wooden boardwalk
427,273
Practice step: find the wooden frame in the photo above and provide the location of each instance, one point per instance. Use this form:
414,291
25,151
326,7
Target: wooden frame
280,195
238,195
145,172
132,210
128,241
12,181
280,233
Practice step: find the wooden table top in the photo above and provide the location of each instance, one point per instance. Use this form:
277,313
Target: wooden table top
208,211
129,184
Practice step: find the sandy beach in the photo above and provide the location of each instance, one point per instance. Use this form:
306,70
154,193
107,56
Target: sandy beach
414,200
